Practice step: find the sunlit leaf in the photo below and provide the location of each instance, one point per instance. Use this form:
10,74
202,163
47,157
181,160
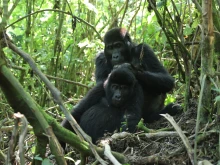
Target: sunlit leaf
188,30
170,99
83,43
217,98
90,6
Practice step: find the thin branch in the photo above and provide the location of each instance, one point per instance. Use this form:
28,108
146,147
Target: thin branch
12,142
22,136
68,81
109,155
13,7
126,8
134,16
198,116
55,10
161,134
5,13
55,78
197,5
56,95
10,128
167,34
182,136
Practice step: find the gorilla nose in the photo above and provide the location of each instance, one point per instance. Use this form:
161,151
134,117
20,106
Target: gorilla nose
118,97
115,55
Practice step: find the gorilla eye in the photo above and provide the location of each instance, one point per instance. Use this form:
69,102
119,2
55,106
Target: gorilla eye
118,45
109,47
124,87
114,86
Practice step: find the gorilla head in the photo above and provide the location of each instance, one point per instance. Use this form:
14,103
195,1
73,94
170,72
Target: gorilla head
119,86
118,46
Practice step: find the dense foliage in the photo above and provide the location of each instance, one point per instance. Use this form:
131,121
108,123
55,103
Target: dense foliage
63,38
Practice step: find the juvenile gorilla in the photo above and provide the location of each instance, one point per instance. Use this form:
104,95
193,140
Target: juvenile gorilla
123,102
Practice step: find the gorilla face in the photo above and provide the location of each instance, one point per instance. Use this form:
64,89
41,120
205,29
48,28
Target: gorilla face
119,86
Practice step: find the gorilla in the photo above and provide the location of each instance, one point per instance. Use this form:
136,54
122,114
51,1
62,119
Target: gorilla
148,70
122,103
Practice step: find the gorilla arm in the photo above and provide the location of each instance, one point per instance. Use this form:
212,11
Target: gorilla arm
155,82
133,114
102,68
153,75
93,97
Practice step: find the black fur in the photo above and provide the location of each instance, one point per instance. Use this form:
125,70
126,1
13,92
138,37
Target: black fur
123,102
150,73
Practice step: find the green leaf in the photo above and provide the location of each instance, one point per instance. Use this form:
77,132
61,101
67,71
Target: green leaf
216,89
217,98
46,162
188,30
169,99
33,149
38,158
161,3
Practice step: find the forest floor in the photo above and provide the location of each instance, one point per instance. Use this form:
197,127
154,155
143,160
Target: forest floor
166,147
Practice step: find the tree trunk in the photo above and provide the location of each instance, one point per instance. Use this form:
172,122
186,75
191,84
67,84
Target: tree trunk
207,57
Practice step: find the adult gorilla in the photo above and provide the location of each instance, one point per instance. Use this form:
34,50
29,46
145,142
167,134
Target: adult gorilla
150,73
